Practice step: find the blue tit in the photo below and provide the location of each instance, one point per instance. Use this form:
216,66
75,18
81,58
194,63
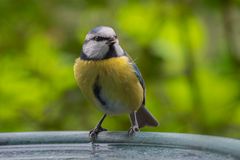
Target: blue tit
109,78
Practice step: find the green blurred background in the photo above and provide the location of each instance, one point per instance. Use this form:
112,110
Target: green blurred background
188,52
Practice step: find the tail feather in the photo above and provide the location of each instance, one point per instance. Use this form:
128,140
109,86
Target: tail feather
145,118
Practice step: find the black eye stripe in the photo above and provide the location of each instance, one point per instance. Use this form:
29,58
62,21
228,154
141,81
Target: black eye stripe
99,38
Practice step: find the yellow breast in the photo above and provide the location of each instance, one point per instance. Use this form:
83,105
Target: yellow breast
120,86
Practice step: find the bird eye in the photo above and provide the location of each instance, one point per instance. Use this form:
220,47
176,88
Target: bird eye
97,38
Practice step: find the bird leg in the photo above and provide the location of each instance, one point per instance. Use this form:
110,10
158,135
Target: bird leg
94,132
134,128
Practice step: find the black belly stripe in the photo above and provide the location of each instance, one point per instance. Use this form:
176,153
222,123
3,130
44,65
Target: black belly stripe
97,92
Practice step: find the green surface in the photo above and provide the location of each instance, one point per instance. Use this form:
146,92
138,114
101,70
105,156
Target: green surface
117,145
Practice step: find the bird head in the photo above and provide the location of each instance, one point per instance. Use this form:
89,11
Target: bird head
98,42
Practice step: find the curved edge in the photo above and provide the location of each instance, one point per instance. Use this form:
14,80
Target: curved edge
218,144
20,138
213,143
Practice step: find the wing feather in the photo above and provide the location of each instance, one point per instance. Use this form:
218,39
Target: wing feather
139,76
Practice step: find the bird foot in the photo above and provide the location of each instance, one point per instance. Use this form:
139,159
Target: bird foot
133,130
94,132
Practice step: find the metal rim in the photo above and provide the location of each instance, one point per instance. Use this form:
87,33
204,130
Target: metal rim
202,142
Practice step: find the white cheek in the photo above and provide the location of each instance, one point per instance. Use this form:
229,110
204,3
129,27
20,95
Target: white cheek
104,49
95,49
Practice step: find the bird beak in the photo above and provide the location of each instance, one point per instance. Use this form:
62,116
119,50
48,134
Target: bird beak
111,41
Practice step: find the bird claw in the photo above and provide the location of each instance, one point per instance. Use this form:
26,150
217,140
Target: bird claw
94,132
133,130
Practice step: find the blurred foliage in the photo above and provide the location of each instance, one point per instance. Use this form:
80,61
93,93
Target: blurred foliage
188,52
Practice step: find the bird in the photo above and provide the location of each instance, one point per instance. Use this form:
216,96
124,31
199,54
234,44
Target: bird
109,78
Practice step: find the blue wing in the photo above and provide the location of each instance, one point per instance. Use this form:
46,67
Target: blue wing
138,74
